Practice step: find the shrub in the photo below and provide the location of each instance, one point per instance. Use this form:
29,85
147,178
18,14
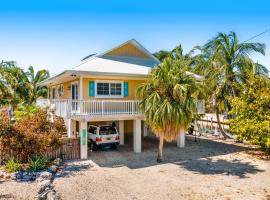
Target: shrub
252,112
12,165
38,163
30,135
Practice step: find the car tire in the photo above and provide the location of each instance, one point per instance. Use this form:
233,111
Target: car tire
113,146
94,146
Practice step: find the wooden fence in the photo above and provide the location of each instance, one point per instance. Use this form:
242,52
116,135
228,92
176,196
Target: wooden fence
70,149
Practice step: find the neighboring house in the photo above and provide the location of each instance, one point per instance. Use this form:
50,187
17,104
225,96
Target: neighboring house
102,89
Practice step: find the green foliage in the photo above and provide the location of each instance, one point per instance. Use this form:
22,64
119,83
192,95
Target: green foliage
252,112
38,163
12,165
20,86
30,135
26,110
168,98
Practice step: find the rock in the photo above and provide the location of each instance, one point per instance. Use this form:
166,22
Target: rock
27,178
51,195
43,176
53,169
19,175
43,195
57,161
44,186
13,176
2,174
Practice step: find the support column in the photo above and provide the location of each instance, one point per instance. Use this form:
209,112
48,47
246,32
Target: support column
145,129
69,126
83,138
81,95
121,132
181,138
137,135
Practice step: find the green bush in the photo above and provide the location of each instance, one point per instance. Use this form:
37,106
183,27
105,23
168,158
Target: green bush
38,163
252,112
12,165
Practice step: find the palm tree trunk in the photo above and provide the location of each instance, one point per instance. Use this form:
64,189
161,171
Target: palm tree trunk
160,148
219,125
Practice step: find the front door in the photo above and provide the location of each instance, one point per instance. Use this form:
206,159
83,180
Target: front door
74,96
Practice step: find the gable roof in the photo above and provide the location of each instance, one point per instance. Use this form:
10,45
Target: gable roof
136,44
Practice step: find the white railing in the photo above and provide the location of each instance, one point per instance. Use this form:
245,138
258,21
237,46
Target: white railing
43,103
67,108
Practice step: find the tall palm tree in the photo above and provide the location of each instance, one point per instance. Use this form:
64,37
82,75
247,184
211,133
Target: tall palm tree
168,100
233,58
225,63
33,79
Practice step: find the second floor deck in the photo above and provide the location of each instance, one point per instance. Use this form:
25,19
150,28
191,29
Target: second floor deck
98,109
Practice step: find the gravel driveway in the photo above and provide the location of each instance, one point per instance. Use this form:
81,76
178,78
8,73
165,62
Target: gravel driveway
205,170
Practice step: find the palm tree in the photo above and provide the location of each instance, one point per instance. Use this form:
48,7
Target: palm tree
12,83
36,91
168,100
225,63
175,54
233,59
18,86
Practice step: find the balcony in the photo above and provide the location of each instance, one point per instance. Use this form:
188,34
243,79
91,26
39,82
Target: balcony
96,110
93,109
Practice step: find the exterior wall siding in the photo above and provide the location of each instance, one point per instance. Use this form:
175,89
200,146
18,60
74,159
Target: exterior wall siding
127,50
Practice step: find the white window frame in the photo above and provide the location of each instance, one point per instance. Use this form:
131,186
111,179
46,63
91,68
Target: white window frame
109,96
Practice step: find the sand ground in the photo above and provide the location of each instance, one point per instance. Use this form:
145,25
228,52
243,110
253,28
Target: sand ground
202,170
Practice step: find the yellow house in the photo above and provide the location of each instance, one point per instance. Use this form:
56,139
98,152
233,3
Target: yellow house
101,88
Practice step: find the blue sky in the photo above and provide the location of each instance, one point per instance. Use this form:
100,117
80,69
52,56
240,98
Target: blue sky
56,35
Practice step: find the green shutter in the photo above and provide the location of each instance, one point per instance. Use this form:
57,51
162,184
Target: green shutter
91,88
125,89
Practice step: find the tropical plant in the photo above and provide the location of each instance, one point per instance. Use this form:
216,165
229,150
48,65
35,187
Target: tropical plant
168,100
19,86
225,63
34,90
12,165
26,110
252,112
38,163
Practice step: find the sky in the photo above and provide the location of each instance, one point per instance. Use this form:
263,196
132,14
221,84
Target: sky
57,34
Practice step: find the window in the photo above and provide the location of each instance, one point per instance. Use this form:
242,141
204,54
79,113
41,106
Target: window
60,90
92,130
113,89
107,130
53,93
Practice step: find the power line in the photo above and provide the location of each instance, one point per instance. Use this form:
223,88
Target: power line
255,36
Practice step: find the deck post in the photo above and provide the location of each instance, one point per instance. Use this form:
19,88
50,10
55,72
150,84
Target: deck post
69,125
145,129
81,96
137,135
181,138
83,138
121,132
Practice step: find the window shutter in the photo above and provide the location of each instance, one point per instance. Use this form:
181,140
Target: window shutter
125,89
91,88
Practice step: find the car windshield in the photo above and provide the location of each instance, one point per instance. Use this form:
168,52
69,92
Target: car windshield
107,130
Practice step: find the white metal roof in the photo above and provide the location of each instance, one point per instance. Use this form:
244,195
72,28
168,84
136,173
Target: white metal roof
97,64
